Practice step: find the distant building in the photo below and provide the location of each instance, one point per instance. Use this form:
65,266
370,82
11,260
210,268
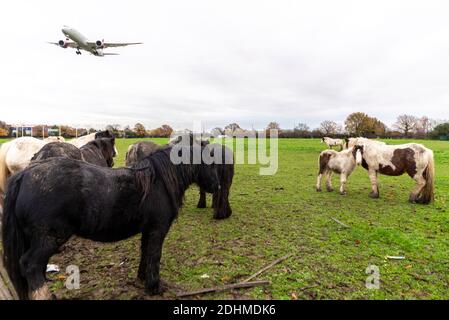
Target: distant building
23,131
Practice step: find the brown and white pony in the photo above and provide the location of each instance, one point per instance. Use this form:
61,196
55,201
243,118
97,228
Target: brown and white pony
343,163
394,160
330,142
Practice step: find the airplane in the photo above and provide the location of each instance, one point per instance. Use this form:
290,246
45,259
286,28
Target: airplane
74,39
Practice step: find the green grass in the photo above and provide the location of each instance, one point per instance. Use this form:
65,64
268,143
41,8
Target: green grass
281,214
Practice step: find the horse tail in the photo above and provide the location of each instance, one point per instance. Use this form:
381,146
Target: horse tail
4,171
324,158
427,194
14,241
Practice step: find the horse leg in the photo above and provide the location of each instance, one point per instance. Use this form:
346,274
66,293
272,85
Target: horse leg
343,180
141,274
2,203
202,201
374,186
34,264
329,181
222,208
155,239
420,184
318,182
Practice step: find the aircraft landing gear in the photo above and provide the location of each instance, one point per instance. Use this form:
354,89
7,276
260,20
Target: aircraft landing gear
78,51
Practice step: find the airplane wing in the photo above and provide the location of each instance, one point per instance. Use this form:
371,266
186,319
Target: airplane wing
114,45
66,44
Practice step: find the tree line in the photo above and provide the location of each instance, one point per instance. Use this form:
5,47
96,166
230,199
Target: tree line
357,124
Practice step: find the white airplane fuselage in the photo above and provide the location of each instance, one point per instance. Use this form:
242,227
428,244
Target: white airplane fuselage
76,36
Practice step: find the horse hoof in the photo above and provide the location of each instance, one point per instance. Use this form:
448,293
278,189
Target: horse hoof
221,216
330,189
318,189
374,195
157,289
343,193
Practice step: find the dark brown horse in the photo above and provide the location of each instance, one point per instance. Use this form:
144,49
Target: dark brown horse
100,152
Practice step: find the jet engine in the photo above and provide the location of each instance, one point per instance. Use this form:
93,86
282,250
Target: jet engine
62,44
100,44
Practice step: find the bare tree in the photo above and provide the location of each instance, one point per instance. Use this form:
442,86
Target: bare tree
425,125
273,126
232,127
217,131
329,127
406,124
303,127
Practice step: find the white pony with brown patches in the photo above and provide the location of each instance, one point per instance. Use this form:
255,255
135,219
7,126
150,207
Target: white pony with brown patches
330,142
343,163
394,160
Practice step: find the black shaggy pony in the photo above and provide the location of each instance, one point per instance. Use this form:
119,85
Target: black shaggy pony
100,152
225,169
52,200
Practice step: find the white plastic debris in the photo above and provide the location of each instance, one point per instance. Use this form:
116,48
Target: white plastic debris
395,257
205,276
52,268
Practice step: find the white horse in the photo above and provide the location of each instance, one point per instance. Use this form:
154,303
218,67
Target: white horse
330,142
394,160
81,141
343,162
55,139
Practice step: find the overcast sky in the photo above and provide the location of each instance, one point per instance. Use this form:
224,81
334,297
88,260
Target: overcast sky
218,62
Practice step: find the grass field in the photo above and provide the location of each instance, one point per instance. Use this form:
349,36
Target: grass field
281,214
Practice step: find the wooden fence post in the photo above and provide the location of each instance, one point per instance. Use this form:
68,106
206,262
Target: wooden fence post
7,291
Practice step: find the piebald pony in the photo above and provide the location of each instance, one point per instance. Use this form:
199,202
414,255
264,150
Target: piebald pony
343,163
394,160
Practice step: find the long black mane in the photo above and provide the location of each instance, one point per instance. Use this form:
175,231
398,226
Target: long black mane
176,178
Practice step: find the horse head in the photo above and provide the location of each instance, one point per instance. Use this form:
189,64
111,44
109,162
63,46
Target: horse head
104,134
358,154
